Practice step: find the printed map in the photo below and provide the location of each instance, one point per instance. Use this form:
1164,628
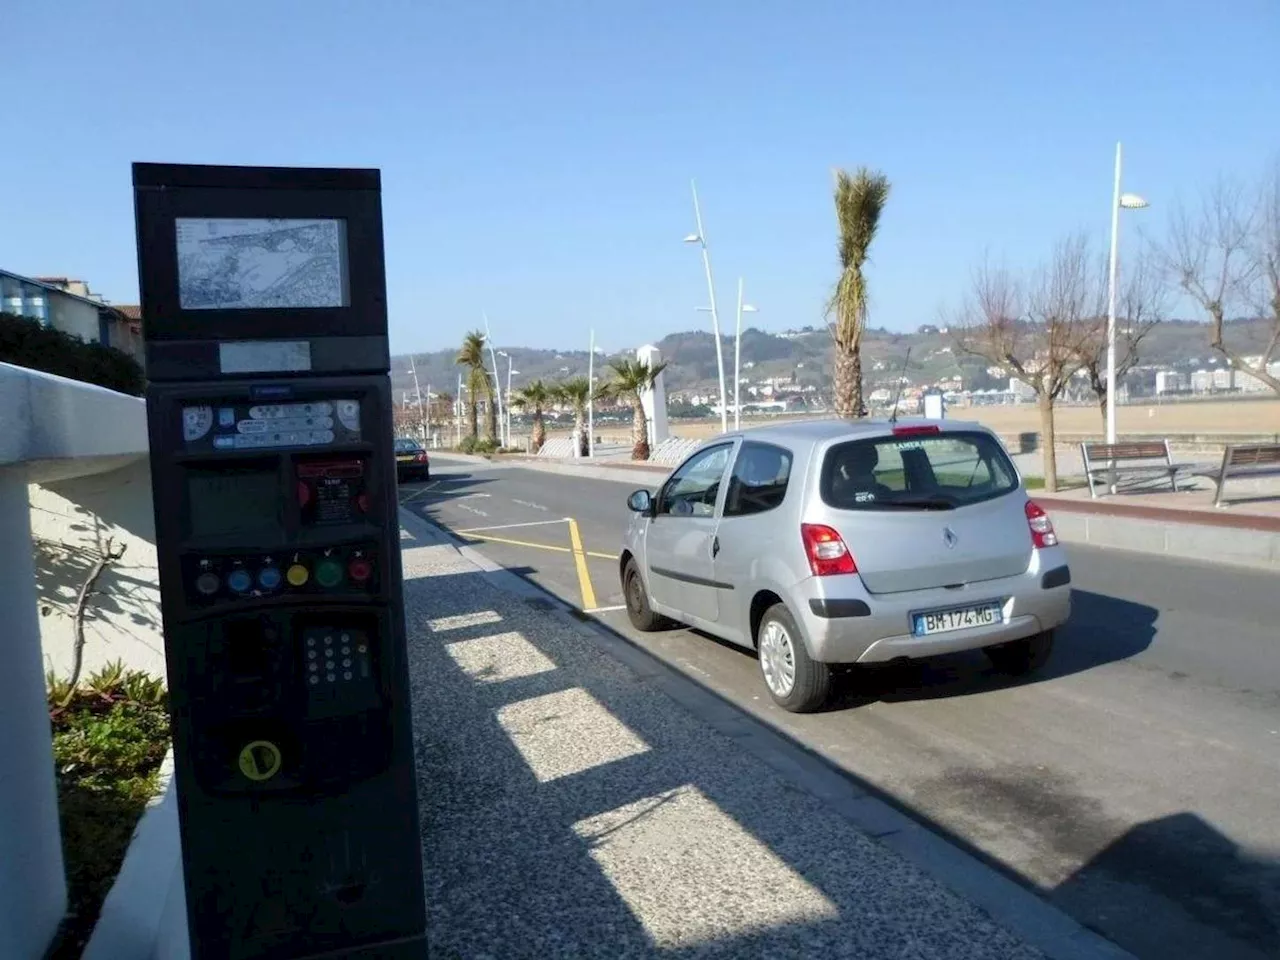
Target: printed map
229,264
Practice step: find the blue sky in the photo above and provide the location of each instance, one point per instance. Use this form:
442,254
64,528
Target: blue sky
536,157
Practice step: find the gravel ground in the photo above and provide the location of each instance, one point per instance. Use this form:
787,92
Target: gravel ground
572,810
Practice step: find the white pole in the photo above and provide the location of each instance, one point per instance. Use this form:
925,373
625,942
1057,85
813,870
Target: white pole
457,413
507,417
737,364
497,382
591,397
1111,306
715,314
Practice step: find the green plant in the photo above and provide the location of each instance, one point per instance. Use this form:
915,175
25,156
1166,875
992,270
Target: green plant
26,343
467,445
535,397
574,394
471,358
109,738
631,378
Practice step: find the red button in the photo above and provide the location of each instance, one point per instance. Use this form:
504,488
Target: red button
304,494
362,501
360,570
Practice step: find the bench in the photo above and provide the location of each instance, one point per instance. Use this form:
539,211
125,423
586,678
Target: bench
1137,461
1240,460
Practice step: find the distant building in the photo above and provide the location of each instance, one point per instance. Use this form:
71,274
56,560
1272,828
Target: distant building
1020,390
1170,381
69,305
1202,381
1224,378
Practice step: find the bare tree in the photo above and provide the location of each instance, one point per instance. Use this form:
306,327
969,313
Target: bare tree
1036,331
1141,303
1226,257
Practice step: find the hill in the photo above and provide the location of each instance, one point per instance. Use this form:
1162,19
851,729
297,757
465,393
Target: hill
805,357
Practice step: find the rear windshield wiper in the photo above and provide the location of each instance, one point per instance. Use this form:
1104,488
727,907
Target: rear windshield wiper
918,503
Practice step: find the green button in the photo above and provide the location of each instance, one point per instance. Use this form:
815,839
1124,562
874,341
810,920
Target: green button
328,573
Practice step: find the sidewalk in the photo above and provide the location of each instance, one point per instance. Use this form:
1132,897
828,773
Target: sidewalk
580,799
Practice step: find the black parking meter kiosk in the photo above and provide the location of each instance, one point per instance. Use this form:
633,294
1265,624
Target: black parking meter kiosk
269,413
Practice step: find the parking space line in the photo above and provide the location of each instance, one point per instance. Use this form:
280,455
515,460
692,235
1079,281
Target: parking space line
580,562
514,543
510,526
606,609
417,493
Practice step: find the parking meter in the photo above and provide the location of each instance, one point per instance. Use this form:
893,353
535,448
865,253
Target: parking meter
277,539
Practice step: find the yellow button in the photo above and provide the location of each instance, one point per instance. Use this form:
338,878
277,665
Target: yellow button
297,575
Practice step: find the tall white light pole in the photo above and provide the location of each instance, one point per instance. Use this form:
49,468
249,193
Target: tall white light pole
457,414
591,396
1119,201
700,238
507,407
493,357
417,392
737,359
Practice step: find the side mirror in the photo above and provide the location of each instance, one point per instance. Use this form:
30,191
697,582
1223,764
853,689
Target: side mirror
640,502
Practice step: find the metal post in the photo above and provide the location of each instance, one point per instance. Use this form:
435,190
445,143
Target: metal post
1111,305
737,364
715,314
497,383
591,397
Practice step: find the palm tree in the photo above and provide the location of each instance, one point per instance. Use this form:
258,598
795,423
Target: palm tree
574,394
860,199
535,397
631,379
471,358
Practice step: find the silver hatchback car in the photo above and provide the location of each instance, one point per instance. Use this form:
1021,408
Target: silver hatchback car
835,542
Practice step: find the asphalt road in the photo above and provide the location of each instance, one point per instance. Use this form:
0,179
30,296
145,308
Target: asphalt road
1136,782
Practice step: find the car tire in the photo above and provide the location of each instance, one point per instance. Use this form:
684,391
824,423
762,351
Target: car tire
1018,658
636,597
781,651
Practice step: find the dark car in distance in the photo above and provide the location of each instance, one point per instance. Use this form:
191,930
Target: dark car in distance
412,462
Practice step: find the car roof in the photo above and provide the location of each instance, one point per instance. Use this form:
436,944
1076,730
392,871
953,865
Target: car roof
819,432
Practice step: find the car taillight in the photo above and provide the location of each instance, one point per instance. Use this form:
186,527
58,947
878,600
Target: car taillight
421,458
916,430
828,555
1042,534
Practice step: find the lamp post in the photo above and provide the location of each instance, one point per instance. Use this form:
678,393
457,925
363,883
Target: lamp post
457,414
700,238
737,358
493,358
507,403
591,395
417,392
1119,201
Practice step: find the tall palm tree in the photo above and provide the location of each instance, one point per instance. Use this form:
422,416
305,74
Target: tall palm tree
534,397
631,379
574,394
860,199
471,359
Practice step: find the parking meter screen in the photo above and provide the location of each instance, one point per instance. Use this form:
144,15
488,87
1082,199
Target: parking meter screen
261,264
228,502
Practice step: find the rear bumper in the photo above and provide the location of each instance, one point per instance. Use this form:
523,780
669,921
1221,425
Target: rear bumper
844,623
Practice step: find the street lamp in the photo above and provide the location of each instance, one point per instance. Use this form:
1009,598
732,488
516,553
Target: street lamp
737,358
700,238
504,407
493,357
417,392
1119,201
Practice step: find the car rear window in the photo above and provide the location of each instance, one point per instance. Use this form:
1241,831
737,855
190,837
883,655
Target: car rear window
408,446
942,471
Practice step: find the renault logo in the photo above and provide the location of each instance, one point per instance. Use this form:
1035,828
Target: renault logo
949,537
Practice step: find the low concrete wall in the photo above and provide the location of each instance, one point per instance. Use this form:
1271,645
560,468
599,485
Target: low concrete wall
73,523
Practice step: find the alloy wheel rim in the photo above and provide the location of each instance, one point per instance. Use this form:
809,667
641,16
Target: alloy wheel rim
777,659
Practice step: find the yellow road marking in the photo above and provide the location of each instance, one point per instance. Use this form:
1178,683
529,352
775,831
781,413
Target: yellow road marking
580,561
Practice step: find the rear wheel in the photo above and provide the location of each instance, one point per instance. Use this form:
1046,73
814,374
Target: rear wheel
639,612
1020,657
796,682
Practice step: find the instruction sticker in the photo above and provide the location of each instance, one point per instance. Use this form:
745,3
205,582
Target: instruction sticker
260,760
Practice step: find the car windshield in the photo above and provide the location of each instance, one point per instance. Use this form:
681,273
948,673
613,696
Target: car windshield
408,446
925,472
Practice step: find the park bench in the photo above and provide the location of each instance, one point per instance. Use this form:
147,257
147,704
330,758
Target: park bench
1241,460
1129,464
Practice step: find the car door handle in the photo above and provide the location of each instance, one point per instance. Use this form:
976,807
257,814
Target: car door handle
715,546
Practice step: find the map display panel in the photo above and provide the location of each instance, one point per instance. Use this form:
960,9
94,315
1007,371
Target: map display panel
255,264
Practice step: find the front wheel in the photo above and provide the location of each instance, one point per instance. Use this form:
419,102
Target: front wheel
1020,657
639,612
796,682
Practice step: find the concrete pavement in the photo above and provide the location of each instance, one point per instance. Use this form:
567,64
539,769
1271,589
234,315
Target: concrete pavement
1134,784
585,801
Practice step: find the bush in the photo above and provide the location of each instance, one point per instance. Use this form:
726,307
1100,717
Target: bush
108,742
467,445
477,445
25,343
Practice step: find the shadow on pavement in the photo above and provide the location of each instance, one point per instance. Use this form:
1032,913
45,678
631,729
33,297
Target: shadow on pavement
1179,880
572,809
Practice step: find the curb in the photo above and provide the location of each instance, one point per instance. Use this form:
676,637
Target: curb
967,874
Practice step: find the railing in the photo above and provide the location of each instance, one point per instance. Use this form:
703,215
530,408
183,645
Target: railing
73,481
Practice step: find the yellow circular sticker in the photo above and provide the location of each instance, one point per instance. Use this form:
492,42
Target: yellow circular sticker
260,760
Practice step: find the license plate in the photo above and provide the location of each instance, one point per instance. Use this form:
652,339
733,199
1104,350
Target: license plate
944,621
404,459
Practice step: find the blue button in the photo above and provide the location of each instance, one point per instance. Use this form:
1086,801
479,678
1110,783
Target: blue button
239,581
269,578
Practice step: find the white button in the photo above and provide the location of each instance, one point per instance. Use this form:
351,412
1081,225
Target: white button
330,677
313,667
311,641
311,654
347,675
346,663
314,679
